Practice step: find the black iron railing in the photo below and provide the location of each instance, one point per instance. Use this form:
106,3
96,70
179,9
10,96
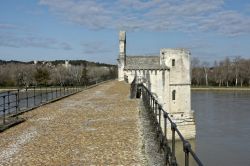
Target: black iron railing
126,78
133,89
158,113
14,102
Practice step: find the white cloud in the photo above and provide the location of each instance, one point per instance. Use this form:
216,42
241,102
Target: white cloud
155,15
17,41
95,47
12,35
88,13
227,22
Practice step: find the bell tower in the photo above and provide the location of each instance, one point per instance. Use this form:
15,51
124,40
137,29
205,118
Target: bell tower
122,55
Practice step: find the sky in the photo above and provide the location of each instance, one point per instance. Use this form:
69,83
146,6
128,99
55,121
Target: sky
88,29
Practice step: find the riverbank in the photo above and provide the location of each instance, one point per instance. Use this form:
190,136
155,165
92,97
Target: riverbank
6,89
221,88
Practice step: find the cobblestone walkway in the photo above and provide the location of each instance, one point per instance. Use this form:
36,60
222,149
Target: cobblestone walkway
99,126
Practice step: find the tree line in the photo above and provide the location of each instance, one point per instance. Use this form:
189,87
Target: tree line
227,72
82,73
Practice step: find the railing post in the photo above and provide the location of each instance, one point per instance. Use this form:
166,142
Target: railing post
166,139
4,109
56,91
18,99
41,95
60,90
51,93
150,100
17,104
8,102
46,91
186,147
34,93
159,116
173,158
27,99
156,107
165,124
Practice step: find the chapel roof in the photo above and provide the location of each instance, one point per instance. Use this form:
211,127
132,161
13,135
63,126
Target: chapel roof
144,62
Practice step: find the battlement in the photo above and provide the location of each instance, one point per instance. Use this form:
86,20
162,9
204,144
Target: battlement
176,51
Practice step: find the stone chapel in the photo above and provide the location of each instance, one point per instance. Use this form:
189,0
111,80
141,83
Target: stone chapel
167,76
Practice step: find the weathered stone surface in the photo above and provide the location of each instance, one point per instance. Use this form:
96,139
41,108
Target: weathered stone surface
99,126
143,62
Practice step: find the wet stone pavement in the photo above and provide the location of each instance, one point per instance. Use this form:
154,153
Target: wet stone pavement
99,126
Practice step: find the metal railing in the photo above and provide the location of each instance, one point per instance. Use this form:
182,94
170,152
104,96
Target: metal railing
133,89
16,101
151,104
126,78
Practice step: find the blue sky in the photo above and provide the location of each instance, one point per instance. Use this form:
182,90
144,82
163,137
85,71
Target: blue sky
88,29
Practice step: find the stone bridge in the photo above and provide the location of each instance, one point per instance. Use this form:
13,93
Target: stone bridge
98,126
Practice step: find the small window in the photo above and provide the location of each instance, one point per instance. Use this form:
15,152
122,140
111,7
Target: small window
173,62
173,94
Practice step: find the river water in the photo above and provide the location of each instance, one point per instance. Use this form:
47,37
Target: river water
223,127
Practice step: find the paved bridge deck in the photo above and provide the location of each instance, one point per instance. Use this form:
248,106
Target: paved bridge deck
99,126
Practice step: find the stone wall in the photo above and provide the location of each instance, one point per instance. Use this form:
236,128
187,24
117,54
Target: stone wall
178,60
155,80
180,72
168,78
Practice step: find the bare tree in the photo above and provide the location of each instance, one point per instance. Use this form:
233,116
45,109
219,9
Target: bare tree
206,69
42,75
226,70
196,71
236,68
54,73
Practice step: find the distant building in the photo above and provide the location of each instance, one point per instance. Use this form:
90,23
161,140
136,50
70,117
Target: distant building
167,76
67,64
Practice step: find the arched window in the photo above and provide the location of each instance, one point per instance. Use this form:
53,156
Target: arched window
173,94
173,62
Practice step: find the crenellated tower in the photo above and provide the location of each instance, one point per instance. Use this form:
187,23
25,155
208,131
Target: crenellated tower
179,97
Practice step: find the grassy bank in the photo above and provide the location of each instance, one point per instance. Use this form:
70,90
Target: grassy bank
197,88
3,89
